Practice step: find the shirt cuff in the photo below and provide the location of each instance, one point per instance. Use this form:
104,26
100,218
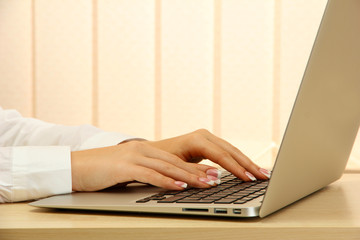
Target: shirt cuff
40,172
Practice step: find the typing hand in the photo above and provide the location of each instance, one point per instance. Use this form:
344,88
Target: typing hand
202,144
170,163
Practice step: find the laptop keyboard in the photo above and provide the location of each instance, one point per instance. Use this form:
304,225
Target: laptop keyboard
231,190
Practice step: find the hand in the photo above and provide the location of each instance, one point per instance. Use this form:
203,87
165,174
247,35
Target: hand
168,163
202,144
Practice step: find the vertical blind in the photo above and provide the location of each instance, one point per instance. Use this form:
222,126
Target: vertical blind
159,68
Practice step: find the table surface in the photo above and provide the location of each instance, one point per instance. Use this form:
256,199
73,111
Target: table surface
331,213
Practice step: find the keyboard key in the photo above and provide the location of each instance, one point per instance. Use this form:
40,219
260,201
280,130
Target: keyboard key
224,201
143,200
211,198
195,201
240,201
171,192
247,198
171,199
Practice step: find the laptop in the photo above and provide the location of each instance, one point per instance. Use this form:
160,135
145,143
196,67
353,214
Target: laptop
314,151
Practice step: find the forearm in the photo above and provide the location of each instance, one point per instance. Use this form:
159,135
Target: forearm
16,130
35,155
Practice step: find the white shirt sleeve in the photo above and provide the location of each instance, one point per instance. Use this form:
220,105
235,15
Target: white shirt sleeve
35,155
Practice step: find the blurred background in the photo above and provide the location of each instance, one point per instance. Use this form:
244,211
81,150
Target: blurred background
160,68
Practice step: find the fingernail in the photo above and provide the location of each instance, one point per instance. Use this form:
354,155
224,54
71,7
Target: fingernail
214,172
181,184
252,177
215,179
265,172
207,181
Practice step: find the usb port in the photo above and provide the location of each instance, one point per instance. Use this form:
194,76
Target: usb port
237,211
220,210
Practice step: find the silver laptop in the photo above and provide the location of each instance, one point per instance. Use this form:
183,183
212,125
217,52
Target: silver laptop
314,150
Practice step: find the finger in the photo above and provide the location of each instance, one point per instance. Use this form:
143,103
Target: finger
146,175
174,172
156,153
218,155
202,169
211,172
208,170
240,157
